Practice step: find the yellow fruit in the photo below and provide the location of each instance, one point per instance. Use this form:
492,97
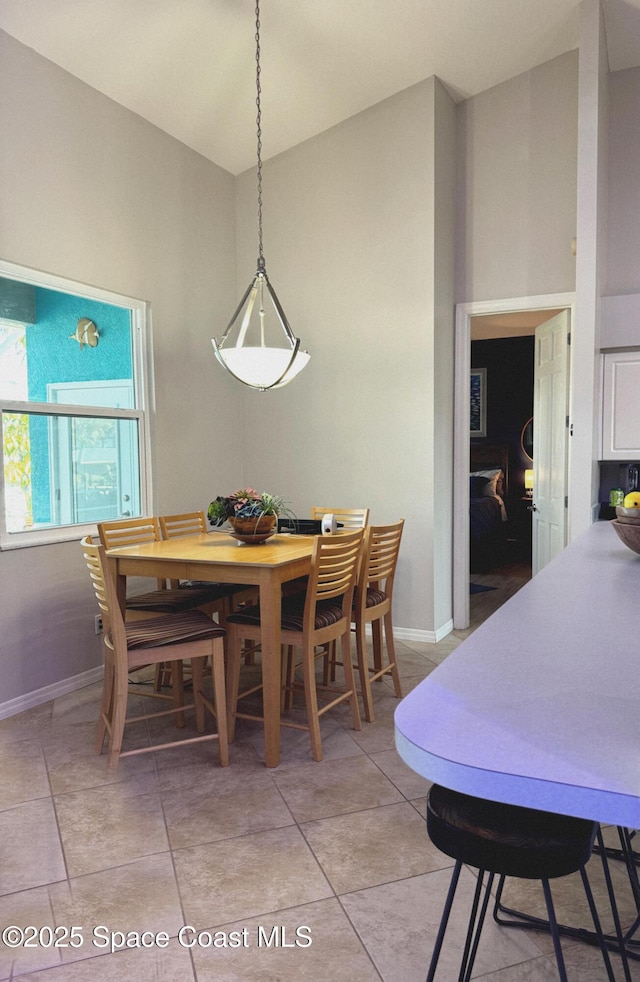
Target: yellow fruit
632,500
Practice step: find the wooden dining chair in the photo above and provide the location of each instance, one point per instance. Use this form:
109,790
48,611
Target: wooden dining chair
309,620
348,518
130,646
163,600
372,604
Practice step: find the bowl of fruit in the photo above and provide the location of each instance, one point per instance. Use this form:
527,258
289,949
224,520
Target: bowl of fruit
628,513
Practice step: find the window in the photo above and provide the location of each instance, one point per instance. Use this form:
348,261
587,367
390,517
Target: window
74,405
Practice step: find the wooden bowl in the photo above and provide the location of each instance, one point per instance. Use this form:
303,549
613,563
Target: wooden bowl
629,534
628,516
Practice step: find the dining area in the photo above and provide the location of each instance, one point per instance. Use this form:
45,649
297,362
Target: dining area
296,599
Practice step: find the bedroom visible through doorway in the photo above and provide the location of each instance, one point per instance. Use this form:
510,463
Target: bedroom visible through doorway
495,342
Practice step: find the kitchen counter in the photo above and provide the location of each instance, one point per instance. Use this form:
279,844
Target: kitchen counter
540,706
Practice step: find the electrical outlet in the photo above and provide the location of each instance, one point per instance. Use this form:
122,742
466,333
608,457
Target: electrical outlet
98,623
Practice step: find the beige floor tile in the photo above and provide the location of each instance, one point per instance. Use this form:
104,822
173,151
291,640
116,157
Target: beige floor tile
410,784
73,764
334,787
244,877
201,814
171,964
583,963
23,773
111,825
335,953
410,911
186,767
338,739
367,848
413,663
138,896
27,725
379,735
30,850
25,909
80,706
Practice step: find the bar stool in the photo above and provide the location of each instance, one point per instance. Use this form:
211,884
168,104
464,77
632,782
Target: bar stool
508,840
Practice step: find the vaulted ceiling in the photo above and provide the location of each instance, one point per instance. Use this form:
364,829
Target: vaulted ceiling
189,66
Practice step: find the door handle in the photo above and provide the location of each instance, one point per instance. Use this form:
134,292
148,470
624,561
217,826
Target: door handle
531,508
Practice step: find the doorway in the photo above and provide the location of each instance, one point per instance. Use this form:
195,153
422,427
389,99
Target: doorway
520,315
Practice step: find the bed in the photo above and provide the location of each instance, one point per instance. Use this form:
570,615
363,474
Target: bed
488,488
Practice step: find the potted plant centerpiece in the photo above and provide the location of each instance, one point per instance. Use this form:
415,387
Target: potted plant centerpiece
249,512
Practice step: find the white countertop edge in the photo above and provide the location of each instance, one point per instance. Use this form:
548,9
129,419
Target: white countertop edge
531,793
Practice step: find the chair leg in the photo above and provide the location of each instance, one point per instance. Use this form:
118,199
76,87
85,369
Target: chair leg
444,920
234,647
219,700
391,652
555,935
177,690
118,717
350,680
197,673
376,632
596,924
470,951
476,923
105,705
311,701
614,906
363,671
288,674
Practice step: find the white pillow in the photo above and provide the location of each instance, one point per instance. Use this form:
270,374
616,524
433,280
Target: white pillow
490,489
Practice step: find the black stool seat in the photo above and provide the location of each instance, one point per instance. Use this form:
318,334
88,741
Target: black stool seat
508,839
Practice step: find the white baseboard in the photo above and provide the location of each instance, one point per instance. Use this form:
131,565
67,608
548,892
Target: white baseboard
429,637
39,696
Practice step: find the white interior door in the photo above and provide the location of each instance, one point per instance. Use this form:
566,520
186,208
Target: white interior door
550,434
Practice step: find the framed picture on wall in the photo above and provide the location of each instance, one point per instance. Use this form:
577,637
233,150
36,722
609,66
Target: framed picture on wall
478,402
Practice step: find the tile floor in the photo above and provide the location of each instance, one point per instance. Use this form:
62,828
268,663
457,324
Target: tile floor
321,871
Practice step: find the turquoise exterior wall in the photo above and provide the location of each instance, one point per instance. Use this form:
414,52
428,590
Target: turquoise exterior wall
53,357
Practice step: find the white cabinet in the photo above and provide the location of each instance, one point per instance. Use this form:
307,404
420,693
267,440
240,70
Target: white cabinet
621,405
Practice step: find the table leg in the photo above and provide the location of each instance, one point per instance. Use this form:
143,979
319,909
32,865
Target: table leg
270,594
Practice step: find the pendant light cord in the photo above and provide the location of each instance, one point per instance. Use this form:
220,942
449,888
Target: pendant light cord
259,139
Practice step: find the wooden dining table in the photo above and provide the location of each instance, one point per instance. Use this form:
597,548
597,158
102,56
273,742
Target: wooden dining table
216,557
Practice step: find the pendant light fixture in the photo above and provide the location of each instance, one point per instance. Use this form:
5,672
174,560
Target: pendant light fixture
258,347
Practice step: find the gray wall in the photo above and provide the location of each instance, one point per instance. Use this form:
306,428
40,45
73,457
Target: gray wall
92,192
517,185
623,268
350,219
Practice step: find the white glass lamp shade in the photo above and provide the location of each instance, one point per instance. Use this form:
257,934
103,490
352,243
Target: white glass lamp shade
528,480
262,367
258,346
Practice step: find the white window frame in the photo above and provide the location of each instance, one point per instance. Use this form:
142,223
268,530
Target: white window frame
144,401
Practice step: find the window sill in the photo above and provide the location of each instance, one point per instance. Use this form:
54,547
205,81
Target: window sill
44,537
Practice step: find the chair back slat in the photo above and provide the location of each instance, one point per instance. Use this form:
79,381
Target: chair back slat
190,523
105,591
334,565
380,555
349,518
128,531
